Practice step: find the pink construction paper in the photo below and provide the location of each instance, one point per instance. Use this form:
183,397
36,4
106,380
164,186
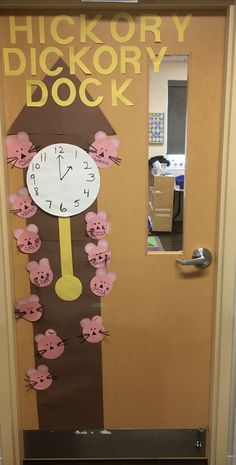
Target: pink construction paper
99,255
97,226
93,329
30,308
23,205
102,283
49,345
28,240
20,150
103,150
40,273
39,378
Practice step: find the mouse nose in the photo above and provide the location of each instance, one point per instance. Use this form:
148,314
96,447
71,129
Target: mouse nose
29,243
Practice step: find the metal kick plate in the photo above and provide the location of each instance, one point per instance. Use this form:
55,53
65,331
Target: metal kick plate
115,444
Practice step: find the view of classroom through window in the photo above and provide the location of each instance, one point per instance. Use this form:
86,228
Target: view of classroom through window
167,153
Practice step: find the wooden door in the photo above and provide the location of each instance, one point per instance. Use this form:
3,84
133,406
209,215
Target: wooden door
154,370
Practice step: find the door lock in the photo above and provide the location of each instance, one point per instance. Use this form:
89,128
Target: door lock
201,258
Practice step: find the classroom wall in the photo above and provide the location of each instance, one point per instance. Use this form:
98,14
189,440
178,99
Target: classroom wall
158,93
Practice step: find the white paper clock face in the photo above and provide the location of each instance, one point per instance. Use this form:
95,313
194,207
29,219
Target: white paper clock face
63,180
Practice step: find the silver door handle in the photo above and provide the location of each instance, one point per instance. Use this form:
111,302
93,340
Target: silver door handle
201,258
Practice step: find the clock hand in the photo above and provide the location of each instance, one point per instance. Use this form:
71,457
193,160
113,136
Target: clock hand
59,165
68,287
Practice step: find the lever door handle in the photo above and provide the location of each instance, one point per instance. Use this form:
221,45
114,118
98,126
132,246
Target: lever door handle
201,258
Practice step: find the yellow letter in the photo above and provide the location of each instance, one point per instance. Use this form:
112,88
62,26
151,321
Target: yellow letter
154,28
113,62
54,31
21,60
27,28
134,60
72,89
86,29
33,61
118,93
41,30
43,57
76,60
181,26
29,90
156,59
83,92
131,27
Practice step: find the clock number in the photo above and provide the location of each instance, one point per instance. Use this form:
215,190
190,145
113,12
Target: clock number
92,177
76,203
86,191
32,176
43,156
36,190
63,209
87,167
50,203
60,149
37,166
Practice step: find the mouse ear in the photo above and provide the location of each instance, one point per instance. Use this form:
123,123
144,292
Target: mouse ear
10,139
84,322
112,276
89,216
44,262
38,337
19,304
33,298
50,332
100,272
115,141
23,192
18,232
22,135
100,135
89,247
103,215
103,243
32,228
43,368
31,266
13,198
97,319
30,371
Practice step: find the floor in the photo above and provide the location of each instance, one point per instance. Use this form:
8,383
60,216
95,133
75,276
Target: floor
171,241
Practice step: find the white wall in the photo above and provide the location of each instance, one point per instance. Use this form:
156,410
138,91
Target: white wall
158,94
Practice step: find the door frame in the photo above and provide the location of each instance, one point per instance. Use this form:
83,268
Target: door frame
11,440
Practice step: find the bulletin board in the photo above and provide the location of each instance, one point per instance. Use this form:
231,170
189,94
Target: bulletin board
75,81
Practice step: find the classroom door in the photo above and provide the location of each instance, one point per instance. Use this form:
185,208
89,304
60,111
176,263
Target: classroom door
66,79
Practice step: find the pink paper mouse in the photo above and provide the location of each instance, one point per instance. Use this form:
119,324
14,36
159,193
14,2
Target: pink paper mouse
40,273
20,151
30,308
49,345
104,150
97,226
28,240
22,203
102,283
93,329
98,255
38,378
